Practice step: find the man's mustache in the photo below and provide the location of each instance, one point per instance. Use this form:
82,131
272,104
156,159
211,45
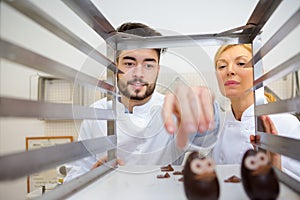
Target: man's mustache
137,80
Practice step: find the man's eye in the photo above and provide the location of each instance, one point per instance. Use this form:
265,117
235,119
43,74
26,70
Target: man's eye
149,66
128,64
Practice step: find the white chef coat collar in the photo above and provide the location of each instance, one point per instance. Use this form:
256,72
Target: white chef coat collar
145,108
248,113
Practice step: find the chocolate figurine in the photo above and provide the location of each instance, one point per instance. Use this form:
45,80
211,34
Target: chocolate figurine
258,177
200,179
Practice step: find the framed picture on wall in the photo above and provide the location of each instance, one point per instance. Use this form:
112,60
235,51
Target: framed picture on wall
46,178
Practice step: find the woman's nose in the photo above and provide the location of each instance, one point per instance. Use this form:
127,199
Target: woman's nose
230,70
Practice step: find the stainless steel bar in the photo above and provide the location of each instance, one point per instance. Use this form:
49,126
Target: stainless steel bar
259,93
261,14
33,60
36,14
92,16
17,165
67,189
244,27
280,34
112,78
288,67
289,147
284,146
10,107
179,40
283,106
287,180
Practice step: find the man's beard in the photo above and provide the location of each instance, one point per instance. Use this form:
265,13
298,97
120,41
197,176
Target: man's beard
135,95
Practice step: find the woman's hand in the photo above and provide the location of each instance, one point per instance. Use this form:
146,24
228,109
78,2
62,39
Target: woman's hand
269,127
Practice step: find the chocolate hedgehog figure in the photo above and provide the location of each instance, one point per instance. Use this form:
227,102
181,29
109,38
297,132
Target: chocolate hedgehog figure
200,179
258,177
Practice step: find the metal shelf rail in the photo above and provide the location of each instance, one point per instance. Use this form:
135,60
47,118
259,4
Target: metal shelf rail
36,159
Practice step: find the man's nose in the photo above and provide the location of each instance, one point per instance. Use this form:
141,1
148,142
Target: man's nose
138,70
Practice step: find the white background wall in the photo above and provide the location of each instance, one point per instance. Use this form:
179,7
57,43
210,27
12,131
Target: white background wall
169,16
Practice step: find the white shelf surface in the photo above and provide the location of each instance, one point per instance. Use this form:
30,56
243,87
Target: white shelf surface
140,182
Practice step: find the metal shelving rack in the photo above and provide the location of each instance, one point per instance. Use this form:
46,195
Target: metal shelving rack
34,161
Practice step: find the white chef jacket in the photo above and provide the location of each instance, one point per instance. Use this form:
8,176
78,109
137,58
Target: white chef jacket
234,140
141,137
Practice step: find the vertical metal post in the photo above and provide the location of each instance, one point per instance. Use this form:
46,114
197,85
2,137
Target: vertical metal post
112,79
258,93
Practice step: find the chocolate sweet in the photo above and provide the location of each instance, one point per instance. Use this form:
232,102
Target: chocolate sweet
258,177
168,168
177,173
166,175
232,179
200,179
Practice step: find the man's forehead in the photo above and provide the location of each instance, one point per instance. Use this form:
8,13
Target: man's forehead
139,54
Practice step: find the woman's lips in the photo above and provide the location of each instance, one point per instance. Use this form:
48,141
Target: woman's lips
231,82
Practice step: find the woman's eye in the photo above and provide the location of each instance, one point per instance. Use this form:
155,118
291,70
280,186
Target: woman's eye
221,67
242,64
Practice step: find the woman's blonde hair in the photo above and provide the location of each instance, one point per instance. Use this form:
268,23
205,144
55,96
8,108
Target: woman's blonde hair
269,96
228,46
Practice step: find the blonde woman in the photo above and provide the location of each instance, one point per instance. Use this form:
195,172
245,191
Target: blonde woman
234,79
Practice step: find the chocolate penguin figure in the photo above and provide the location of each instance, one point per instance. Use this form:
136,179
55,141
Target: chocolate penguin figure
200,179
258,177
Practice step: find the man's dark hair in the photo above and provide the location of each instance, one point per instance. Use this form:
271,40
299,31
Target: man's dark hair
142,30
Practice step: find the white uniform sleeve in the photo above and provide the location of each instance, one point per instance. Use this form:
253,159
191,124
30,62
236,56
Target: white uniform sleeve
79,167
82,166
88,129
288,125
291,167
